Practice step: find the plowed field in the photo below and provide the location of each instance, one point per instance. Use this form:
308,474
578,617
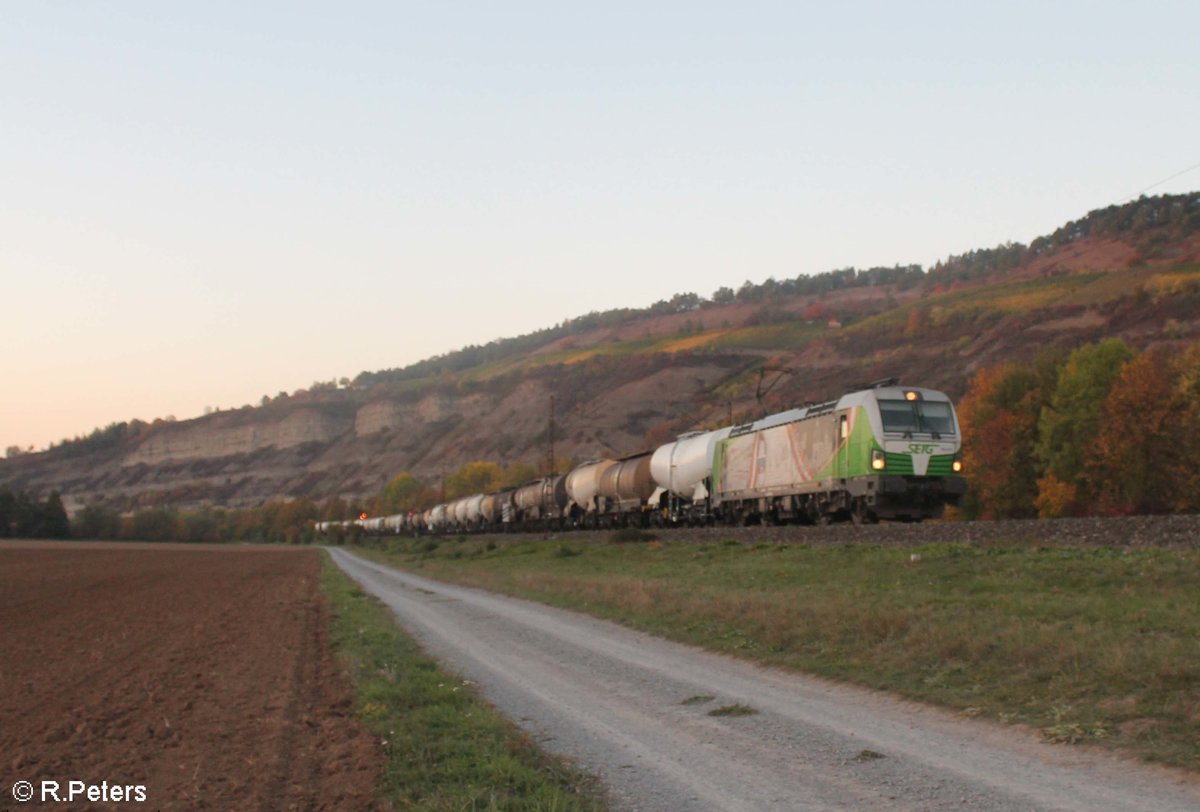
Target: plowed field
203,674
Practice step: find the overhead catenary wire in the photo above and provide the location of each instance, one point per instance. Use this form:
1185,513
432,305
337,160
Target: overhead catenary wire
1179,174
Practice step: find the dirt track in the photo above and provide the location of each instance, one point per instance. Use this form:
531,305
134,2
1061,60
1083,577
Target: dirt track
614,699
202,673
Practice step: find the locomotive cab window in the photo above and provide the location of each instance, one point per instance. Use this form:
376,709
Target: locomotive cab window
935,416
924,416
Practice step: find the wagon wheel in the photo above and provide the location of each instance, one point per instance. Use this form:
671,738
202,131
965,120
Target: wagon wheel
861,514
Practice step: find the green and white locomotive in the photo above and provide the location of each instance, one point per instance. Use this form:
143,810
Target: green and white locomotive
882,452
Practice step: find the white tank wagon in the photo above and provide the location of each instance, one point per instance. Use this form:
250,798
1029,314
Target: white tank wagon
489,508
394,523
437,518
583,489
682,470
528,499
460,512
497,509
475,510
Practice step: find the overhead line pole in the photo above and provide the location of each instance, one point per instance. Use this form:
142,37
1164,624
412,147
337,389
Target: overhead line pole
550,469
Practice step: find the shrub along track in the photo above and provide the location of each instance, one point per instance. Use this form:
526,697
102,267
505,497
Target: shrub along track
201,673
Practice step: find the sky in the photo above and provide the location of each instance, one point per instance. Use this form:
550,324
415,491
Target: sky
204,203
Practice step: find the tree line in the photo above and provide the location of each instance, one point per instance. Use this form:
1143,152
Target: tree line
289,521
474,355
1104,431
1149,223
24,516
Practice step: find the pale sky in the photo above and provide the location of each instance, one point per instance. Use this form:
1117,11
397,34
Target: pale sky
203,203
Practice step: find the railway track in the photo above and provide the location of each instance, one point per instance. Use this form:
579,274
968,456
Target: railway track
1124,531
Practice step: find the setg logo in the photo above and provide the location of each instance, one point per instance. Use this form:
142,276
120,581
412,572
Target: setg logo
921,448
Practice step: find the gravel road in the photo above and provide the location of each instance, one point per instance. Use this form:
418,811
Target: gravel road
613,700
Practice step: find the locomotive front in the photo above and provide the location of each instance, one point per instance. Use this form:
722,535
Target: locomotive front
915,463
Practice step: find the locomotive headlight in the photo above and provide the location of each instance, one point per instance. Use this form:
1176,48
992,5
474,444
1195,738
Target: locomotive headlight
957,465
910,395
878,460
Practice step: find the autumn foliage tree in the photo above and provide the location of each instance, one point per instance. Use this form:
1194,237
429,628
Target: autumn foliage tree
1106,432
1135,453
472,478
1143,459
999,420
403,492
1069,423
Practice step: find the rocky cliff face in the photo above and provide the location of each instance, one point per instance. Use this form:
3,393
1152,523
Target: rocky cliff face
209,439
351,442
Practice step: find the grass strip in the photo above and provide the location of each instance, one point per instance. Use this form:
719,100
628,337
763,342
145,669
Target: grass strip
1085,644
447,748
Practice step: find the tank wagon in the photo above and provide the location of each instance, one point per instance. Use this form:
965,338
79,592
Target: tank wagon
883,451
625,490
541,503
682,470
583,491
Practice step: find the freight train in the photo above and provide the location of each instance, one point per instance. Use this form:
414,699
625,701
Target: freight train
883,451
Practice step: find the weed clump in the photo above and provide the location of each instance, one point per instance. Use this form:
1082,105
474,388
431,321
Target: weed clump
631,535
733,710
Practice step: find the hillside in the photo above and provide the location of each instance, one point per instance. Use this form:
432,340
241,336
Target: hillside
625,380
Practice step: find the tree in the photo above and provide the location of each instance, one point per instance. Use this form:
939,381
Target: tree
54,524
723,295
292,520
999,419
401,493
97,522
1135,456
7,504
1187,432
917,321
335,509
473,478
154,524
203,525
26,517
1071,420
518,473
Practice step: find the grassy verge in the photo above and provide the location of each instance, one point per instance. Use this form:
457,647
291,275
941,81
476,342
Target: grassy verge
1092,645
447,749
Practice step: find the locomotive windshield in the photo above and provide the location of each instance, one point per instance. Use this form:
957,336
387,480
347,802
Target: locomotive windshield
924,416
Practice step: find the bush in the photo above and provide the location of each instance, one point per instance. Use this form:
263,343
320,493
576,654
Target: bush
631,534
